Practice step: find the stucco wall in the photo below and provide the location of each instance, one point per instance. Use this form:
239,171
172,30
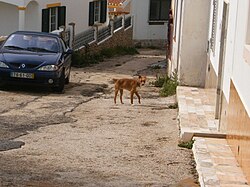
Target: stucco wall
241,69
142,30
77,12
211,76
8,18
193,46
33,17
235,66
177,12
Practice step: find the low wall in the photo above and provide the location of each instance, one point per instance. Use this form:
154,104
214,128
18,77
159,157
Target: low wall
121,37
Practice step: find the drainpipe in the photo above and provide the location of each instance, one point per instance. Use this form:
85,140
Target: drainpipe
179,39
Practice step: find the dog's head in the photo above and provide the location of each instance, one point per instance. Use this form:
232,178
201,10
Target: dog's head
142,80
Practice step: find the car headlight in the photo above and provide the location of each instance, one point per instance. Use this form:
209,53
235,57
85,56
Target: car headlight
48,68
3,65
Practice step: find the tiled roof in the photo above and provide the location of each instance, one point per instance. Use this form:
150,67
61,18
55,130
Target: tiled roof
115,2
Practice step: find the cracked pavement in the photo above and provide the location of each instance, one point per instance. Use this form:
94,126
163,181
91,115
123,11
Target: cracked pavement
81,138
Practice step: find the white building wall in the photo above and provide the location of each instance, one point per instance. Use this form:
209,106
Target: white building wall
214,55
142,29
235,66
33,17
77,12
8,18
177,30
241,69
189,49
229,55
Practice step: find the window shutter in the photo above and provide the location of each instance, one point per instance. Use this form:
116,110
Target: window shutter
103,17
214,22
61,16
91,13
45,20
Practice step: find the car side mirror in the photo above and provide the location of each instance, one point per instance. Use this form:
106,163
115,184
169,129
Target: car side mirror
69,51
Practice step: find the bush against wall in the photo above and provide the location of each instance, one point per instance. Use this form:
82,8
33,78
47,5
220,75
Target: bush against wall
83,59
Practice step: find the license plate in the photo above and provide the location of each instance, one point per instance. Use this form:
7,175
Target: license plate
22,75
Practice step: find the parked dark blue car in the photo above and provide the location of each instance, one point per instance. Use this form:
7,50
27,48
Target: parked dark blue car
35,58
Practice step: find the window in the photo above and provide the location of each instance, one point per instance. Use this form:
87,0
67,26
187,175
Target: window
214,22
97,12
97,8
159,10
53,18
64,48
246,52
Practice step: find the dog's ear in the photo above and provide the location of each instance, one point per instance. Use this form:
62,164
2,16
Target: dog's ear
139,76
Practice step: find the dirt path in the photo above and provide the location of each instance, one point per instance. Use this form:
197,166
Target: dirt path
81,138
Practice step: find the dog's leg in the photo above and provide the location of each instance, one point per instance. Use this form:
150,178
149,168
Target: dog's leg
116,92
121,92
131,96
139,98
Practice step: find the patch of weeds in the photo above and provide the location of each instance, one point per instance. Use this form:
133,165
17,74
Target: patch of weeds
188,145
156,67
108,53
118,51
153,47
169,86
80,59
159,81
173,106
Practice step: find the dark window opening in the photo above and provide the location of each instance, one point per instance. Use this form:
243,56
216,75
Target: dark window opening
53,18
159,10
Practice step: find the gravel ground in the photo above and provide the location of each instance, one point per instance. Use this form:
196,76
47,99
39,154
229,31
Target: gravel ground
81,138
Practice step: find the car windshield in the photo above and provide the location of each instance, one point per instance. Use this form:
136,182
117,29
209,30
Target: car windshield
32,43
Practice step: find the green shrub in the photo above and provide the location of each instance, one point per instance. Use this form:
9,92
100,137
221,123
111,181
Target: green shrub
169,86
159,81
188,145
108,53
80,59
173,106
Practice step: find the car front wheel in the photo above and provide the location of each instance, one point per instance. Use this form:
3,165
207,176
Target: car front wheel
67,79
60,87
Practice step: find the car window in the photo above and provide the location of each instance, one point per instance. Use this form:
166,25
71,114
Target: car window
34,43
64,48
16,41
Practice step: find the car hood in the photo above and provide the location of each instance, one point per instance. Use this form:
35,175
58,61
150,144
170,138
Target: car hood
30,58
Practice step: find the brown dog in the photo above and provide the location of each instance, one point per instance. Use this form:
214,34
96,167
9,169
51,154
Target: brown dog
130,85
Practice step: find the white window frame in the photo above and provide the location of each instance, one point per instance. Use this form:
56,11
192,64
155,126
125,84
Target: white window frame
97,11
50,18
